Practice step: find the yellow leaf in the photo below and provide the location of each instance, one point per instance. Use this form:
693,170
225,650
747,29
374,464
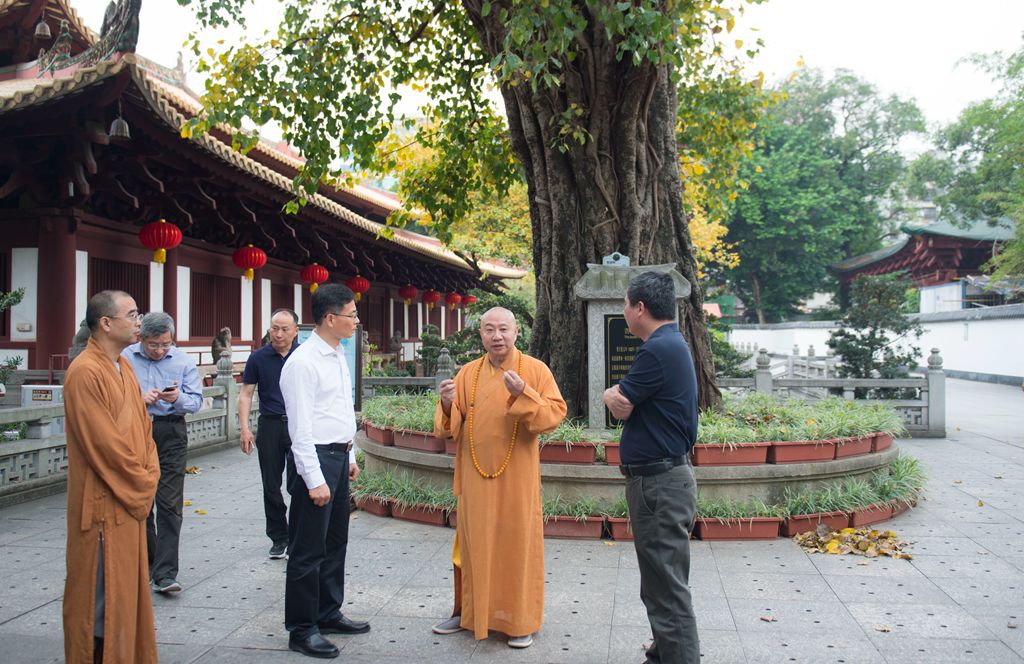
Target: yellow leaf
186,131
847,531
187,503
200,512
739,43
981,504
832,546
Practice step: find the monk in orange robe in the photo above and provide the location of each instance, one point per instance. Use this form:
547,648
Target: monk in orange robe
112,476
495,409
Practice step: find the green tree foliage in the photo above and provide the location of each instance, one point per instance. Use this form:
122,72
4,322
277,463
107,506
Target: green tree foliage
728,361
980,173
823,186
875,337
8,300
590,95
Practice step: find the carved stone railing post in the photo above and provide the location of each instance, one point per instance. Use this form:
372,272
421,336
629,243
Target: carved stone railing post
226,379
763,374
936,396
445,367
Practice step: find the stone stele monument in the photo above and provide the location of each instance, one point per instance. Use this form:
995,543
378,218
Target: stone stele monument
610,346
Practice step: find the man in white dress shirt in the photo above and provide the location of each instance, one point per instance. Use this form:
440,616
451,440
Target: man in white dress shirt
317,391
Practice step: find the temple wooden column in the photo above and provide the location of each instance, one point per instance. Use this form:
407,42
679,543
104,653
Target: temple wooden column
171,287
55,319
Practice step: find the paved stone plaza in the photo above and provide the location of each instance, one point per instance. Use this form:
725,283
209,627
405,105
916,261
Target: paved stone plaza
954,602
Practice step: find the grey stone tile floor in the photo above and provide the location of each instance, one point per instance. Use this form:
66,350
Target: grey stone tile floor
961,599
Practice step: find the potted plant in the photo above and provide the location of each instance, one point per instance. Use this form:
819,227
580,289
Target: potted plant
809,443
572,520
887,424
725,519
900,484
617,518
414,500
372,492
377,416
611,446
567,444
805,511
859,498
414,423
724,441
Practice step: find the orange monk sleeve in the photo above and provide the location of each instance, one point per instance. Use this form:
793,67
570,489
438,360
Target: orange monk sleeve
450,426
130,477
540,408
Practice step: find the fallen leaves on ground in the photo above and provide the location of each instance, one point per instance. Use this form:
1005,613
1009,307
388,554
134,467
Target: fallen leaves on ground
200,512
859,541
187,503
883,628
192,470
768,618
981,503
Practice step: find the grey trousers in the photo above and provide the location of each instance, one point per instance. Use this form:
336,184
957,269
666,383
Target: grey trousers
163,529
662,509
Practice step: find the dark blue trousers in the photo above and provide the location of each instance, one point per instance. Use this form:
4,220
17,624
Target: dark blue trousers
317,540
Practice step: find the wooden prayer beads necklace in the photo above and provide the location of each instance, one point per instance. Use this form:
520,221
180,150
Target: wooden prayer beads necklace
472,410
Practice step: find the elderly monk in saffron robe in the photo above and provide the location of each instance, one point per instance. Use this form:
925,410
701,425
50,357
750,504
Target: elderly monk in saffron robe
495,409
112,476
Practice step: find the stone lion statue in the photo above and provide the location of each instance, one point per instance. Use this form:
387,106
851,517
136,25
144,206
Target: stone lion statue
221,343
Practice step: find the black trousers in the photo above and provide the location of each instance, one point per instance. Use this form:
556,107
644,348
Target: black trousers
662,509
314,588
163,531
272,445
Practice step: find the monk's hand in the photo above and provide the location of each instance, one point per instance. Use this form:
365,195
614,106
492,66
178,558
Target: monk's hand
320,495
513,383
246,440
447,392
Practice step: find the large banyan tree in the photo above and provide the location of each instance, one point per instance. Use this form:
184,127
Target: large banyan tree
589,89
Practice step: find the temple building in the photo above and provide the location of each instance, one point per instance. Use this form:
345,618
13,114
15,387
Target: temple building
97,186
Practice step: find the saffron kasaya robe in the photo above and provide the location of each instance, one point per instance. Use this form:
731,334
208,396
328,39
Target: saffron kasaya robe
112,476
499,536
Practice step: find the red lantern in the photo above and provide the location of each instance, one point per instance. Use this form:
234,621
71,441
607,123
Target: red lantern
452,299
159,236
408,293
314,275
249,259
468,300
431,297
358,285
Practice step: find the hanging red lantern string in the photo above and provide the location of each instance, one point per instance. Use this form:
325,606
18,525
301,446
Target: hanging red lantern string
314,275
430,298
358,285
158,237
452,299
249,259
468,300
408,293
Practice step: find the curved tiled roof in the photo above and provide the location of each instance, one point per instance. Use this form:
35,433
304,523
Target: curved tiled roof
57,9
166,100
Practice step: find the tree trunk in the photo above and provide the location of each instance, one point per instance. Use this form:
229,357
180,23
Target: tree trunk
755,285
619,190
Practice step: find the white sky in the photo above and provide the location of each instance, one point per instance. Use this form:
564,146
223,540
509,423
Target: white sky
907,47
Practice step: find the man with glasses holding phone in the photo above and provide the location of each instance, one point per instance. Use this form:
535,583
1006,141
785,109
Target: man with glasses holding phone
170,386
317,390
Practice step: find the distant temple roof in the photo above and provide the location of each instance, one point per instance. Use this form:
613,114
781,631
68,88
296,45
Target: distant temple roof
933,253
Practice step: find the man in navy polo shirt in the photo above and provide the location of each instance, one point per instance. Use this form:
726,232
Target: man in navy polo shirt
657,400
263,370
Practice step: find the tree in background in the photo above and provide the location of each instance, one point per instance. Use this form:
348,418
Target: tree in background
979,175
824,184
591,102
875,337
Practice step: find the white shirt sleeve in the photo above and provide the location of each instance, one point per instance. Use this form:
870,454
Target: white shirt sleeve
298,387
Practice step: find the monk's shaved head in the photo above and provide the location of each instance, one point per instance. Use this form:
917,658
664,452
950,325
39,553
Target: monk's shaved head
498,332
496,314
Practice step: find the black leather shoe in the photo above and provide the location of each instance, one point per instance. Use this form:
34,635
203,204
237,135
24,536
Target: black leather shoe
343,625
314,646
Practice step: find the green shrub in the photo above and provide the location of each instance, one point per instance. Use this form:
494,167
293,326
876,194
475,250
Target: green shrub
414,412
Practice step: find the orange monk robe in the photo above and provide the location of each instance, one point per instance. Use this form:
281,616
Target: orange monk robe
112,476
499,536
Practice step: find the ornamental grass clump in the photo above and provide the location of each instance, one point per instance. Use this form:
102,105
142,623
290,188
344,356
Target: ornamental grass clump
902,483
411,412
578,510
567,432
727,510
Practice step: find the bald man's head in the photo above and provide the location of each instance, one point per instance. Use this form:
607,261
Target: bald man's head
498,332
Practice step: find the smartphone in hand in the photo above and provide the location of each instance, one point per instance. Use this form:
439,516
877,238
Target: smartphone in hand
170,388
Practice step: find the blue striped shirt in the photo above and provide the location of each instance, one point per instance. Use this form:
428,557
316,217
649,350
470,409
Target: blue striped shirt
176,366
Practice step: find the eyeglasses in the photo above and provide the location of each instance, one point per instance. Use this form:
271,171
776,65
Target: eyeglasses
152,345
286,328
354,315
131,315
